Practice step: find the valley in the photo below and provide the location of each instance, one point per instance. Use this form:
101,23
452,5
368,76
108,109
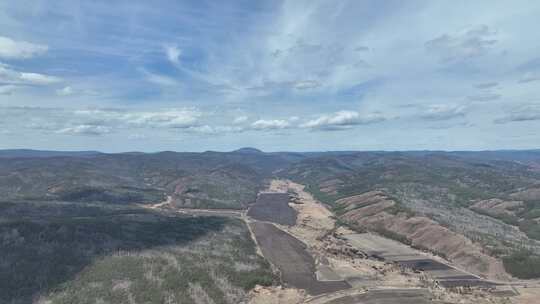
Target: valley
369,268
255,227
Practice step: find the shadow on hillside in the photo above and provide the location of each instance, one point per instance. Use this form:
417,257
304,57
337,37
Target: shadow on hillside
38,255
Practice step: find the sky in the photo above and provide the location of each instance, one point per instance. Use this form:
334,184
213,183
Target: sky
276,75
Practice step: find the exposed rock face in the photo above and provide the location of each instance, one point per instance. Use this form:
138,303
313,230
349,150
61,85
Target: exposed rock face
372,210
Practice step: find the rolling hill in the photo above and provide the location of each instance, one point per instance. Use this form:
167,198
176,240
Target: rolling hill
480,210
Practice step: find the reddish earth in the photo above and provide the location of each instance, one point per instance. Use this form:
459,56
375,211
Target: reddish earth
497,207
370,210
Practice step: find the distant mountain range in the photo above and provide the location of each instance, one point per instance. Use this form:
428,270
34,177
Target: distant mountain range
28,153
492,154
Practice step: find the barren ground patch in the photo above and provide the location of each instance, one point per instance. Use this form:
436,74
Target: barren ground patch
273,207
296,265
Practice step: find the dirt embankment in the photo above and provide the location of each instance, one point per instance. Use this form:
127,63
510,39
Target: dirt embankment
372,210
498,207
336,257
335,263
276,295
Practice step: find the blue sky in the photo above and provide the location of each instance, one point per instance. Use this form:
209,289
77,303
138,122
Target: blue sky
276,75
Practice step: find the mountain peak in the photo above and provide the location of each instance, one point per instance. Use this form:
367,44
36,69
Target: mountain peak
248,150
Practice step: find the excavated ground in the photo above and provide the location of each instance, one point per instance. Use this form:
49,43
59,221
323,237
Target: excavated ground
273,207
337,259
296,265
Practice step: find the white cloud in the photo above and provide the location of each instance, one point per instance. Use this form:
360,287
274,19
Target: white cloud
342,120
361,48
11,49
240,119
205,129
486,85
529,77
8,89
10,76
167,118
100,121
66,91
158,79
137,136
521,114
36,78
465,44
177,119
272,124
288,49
306,85
484,97
85,130
215,130
443,112
173,54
